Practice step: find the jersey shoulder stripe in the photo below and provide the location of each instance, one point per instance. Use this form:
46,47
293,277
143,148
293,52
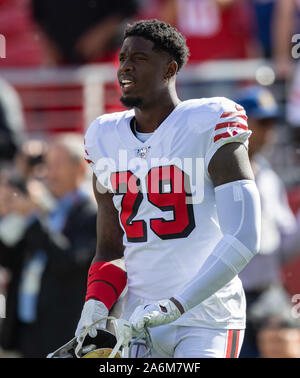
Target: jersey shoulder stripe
232,122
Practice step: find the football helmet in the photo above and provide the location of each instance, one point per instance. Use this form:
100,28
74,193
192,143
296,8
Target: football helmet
117,341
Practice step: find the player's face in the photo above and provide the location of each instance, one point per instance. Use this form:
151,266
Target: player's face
141,72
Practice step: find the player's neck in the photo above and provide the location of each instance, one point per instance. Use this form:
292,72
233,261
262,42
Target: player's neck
150,117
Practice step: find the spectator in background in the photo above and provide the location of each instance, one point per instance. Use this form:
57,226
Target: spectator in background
278,329
280,238
48,252
81,31
29,160
279,341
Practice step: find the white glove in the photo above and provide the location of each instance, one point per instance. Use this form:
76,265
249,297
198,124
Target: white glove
152,315
91,312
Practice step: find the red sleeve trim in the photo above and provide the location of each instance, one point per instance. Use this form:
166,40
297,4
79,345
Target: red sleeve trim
234,114
230,124
224,135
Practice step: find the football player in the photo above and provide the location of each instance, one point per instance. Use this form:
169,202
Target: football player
176,199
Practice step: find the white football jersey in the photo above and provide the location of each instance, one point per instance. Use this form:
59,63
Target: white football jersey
166,201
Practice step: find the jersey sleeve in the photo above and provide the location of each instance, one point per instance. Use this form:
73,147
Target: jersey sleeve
231,126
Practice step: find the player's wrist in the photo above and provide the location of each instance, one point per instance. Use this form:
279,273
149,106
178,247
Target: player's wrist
177,304
105,283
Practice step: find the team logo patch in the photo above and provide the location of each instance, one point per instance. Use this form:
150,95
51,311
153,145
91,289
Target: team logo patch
142,152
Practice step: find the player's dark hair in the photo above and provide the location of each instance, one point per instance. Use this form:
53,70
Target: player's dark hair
164,36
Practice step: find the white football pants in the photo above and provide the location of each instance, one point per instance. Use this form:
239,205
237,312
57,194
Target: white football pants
193,342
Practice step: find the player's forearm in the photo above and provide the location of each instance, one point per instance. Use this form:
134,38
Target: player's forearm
214,274
109,251
107,277
238,207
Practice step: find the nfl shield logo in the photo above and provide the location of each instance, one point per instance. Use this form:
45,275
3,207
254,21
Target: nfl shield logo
142,152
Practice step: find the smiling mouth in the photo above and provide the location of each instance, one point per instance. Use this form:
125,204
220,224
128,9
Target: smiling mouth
126,84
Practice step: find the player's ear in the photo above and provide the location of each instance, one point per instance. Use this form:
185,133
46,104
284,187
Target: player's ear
171,69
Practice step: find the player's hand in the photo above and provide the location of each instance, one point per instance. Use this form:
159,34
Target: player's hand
91,312
152,315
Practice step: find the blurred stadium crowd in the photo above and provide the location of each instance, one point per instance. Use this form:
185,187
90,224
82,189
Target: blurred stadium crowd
47,211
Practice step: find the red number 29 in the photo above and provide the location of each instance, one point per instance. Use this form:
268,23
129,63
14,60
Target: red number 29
167,189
